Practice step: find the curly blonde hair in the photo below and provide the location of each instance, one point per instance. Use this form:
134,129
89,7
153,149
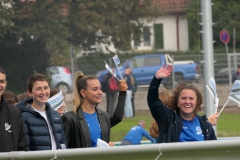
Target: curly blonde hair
164,96
153,129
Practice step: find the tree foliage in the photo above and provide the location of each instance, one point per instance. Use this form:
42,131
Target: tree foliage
36,34
225,15
112,18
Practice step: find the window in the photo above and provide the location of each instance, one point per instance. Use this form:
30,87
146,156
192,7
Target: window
144,62
144,38
53,70
152,61
158,36
137,63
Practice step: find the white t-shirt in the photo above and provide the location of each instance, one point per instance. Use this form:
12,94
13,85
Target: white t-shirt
53,142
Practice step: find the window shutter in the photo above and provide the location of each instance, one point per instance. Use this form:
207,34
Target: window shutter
158,36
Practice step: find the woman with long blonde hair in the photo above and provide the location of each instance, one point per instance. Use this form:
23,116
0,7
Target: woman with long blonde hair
86,122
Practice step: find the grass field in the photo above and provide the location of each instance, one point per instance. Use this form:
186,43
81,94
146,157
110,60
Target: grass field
228,125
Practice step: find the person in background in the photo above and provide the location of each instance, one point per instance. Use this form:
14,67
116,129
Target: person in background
110,87
135,135
10,97
43,125
236,76
22,96
128,111
179,122
62,108
86,123
153,129
134,89
12,135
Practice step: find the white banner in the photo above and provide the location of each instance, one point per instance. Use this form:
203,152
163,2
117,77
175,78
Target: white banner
213,92
56,101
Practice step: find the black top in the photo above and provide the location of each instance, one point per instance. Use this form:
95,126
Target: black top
12,135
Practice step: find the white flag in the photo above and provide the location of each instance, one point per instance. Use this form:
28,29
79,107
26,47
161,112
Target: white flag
118,64
119,67
56,101
110,70
213,92
234,94
101,143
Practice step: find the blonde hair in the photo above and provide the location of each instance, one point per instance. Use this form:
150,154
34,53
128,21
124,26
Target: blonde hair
153,130
164,96
80,83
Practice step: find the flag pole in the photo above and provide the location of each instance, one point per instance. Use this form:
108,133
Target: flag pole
223,106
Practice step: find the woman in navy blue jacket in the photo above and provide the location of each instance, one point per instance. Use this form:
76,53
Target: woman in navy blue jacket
43,125
180,123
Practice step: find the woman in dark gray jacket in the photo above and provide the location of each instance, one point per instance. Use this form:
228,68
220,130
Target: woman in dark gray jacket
87,123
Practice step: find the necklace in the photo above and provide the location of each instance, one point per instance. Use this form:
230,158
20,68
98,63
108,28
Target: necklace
90,122
91,114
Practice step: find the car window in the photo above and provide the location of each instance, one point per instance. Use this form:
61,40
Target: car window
53,70
144,62
136,63
152,61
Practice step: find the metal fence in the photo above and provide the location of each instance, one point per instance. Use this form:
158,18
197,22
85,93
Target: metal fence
207,150
222,62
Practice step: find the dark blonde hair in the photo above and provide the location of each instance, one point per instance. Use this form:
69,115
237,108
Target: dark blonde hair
176,93
80,83
153,129
164,97
22,96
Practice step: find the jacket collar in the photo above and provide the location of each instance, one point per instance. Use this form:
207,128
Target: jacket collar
86,132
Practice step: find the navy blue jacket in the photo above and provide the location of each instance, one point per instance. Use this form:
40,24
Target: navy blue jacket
169,121
36,127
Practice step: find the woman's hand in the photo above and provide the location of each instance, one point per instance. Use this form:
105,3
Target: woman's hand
111,144
164,71
122,85
213,118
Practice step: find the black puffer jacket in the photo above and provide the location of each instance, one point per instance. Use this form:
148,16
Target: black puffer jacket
36,127
169,121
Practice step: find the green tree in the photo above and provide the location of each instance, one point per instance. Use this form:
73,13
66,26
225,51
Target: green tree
37,34
113,18
24,40
225,15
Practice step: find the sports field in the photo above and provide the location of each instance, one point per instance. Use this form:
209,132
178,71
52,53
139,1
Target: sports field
228,124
